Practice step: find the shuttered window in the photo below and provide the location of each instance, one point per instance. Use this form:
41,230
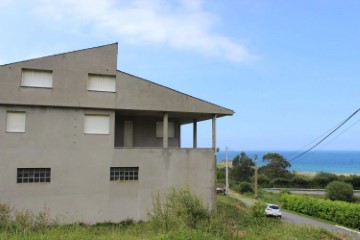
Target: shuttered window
36,78
15,122
102,83
97,124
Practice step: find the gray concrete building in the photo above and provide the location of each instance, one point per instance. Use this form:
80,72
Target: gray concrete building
94,144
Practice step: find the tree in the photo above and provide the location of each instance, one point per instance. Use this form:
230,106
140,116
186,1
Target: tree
337,190
243,167
276,166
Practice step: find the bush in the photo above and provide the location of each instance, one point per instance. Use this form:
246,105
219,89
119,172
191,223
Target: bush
322,179
280,182
354,180
258,209
342,191
299,182
245,187
220,173
284,191
263,180
344,213
181,207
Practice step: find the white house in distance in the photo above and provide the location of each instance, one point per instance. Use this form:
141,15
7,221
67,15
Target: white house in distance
94,144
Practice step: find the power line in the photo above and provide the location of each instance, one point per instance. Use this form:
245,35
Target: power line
341,133
328,135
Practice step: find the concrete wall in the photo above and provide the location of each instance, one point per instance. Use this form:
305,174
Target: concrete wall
80,189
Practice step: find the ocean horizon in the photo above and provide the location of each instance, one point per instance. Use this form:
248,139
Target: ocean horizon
341,162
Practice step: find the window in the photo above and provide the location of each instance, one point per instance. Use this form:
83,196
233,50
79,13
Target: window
15,122
97,124
171,129
124,173
33,175
36,78
102,83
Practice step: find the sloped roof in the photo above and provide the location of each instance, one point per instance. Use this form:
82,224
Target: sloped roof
70,75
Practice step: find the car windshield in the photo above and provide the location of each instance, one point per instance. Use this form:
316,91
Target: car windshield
274,207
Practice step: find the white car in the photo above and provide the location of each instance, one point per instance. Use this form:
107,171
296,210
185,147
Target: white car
272,210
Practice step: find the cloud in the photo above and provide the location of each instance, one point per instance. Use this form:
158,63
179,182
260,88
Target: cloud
181,24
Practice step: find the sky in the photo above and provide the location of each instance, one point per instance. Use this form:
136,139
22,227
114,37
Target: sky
289,69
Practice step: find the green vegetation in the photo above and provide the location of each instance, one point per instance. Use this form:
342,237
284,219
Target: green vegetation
181,208
276,166
275,173
245,187
180,216
257,210
347,214
342,191
243,168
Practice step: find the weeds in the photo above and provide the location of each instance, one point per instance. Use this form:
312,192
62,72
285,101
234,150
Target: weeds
180,215
180,208
23,220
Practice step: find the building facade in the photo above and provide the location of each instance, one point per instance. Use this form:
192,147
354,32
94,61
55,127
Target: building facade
94,144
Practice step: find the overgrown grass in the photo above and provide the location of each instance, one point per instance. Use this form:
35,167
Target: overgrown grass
232,220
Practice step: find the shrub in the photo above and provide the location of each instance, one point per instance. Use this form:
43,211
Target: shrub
344,213
322,179
300,182
342,191
220,173
180,207
245,187
263,180
354,180
284,191
280,182
258,209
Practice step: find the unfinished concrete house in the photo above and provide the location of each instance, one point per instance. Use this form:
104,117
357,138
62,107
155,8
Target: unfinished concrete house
92,143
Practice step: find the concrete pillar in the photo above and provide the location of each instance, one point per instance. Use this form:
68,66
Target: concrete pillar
165,130
214,161
214,132
194,133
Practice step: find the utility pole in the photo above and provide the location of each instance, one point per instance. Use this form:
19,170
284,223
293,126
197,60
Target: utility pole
256,177
226,172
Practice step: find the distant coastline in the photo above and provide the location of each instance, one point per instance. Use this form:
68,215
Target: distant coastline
338,162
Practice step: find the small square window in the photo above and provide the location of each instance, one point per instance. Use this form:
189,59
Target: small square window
15,122
97,124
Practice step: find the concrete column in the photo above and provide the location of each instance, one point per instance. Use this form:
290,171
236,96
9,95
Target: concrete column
214,132
165,130
214,161
194,133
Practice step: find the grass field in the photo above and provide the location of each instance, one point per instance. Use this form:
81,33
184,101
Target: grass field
232,221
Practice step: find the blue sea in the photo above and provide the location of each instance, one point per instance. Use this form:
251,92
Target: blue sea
347,162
